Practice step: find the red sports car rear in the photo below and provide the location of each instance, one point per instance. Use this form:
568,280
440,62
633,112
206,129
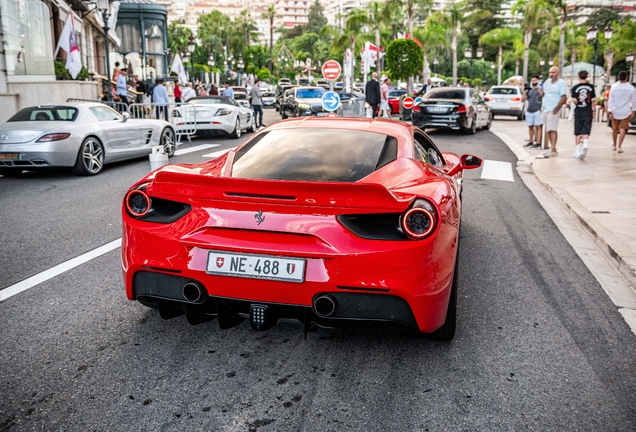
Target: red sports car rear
323,220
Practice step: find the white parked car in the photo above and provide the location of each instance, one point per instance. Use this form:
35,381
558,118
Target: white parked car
242,99
214,114
83,136
506,100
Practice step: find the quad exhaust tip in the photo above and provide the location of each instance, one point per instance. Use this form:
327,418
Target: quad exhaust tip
325,305
192,292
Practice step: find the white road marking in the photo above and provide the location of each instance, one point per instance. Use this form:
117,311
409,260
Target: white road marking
217,154
496,170
57,270
194,149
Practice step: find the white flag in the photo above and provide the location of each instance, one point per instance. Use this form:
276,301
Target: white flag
68,42
177,67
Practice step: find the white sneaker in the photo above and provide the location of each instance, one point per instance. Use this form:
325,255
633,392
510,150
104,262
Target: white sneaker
550,154
577,152
583,153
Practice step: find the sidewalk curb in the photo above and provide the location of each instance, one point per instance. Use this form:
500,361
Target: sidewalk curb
611,247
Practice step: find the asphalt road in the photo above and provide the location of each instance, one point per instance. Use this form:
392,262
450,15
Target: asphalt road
539,345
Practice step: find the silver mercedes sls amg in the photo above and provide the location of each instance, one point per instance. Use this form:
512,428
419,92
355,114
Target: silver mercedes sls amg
83,136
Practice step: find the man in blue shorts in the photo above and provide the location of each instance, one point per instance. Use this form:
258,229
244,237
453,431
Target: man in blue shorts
533,112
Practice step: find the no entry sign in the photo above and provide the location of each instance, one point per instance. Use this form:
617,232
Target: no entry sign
331,70
407,103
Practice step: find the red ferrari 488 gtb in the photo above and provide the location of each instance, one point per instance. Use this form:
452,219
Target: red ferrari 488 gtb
325,220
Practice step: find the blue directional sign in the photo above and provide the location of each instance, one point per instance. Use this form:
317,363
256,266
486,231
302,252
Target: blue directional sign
417,100
330,101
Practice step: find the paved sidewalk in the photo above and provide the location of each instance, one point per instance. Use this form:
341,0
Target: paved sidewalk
599,191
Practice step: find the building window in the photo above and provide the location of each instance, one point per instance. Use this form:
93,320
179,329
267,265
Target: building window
130,37
28,38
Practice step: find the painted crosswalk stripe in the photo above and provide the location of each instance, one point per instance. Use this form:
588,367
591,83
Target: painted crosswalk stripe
194,149
497,170
216,154
58,270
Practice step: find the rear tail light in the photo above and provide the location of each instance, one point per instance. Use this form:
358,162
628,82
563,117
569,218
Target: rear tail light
516,99
137,203
489,98
420,220
54,137
416,108
223,111
461,109
140,205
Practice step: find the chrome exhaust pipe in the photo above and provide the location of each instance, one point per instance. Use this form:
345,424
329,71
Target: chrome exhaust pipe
325,305
192,292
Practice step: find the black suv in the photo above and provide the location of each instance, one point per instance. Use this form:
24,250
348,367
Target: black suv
303,101
280,93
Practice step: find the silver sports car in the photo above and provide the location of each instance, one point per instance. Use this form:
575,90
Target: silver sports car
84,136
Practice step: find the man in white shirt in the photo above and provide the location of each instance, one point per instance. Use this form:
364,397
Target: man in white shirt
187,93
554,94
622,94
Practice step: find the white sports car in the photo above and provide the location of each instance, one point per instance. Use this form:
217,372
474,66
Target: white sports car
214,114
81,135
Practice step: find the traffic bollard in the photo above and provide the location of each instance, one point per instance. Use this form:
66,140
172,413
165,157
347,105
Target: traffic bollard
158,158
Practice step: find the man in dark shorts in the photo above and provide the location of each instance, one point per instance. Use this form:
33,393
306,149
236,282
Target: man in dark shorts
584,98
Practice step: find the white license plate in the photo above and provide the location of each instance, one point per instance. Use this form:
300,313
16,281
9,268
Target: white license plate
322,114
256,266
437,109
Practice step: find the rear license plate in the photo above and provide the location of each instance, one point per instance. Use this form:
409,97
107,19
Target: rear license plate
256,266
437,109
321,114
9,156
501,100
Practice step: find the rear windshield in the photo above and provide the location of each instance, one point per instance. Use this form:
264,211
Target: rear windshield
45,114
310,93
326,155
503,91
240,96
445,94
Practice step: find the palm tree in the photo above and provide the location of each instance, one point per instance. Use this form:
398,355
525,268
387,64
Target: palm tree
453,17
356,19
377,17
270,15
498,38
562,8
432,35
534,15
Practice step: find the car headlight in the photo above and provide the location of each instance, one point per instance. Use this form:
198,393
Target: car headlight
304,106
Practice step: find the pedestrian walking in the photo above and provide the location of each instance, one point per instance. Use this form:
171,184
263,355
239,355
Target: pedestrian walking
160,99
228,91
533,113
122,86
214,91
622,94
605,114
554,95
584,101
177,92
257,104
427,87
372,93
116,71
187,93
385,108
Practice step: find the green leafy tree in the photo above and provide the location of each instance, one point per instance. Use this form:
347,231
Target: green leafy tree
432,35
316,18
536,14
404,58
499,38
483,19
178,38
453,17
603,17
270,15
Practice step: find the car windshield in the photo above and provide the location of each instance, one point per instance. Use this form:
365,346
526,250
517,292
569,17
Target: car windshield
312,154
503,91
58,113
310,93
268,94
445,94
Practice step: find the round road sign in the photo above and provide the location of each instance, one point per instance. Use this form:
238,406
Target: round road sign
407,102
331,70
330,101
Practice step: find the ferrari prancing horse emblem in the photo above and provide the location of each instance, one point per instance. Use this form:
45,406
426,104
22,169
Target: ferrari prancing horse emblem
259,217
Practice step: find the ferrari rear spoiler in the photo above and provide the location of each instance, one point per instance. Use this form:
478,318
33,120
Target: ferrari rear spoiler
319,194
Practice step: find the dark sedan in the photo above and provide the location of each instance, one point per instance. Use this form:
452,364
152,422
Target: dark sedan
452,108
303,101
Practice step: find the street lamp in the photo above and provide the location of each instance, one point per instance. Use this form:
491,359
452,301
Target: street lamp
435,63
240,67
592,34
541,64
630,59
468,53
104,7
191,47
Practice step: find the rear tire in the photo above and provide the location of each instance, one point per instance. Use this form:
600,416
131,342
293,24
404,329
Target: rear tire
282,113
489,124
252,127
447,331
472,130
167,141
520,117
236,133
90,159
